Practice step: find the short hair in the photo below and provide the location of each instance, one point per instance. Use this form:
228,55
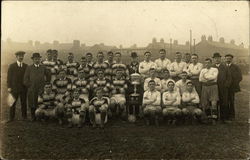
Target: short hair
99,89
208,59
165,70
76,90
171,82
83,58
152,69
89,54
229,55
47,83
99,70
100,53
162,50
62,70
110,52
54,51
147,52
177,52
49,51
118,53
189,82
70,54
151,81
187,54
194,55
184,72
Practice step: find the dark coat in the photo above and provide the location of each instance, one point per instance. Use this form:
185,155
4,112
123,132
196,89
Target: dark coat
35,78
15,78
224,78
236,78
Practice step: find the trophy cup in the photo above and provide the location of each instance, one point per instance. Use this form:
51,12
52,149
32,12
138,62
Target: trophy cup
134,97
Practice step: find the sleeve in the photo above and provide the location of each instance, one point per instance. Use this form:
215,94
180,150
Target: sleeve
40,100
239,74
9,76
197,99
158,85
171,69
197,72
158,99
47,74
26,78
142,68
158,67
213,75
146,99
92,101
145,87
201,78
165,100
185,97
178,100
74,84
228,77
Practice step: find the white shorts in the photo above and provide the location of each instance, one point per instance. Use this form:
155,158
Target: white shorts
151,108
171,110
118,99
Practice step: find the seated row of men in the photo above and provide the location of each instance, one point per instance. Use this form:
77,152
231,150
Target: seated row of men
72,99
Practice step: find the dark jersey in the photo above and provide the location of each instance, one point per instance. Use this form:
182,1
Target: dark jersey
118,86
75,105
81,84
133,67
97,103
97,66
72,68
61,86
51,66
122,67
47,100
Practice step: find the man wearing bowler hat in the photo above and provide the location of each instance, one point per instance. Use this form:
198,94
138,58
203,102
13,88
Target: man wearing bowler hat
224,80
134,65
15,85
234,87
34,78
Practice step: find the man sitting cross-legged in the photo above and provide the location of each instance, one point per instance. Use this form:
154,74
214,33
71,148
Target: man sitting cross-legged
171,100
98,104
190,102
76,108
151,103
46,104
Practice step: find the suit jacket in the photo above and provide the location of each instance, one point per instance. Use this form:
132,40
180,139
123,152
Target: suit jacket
224,78
236,78
35,78
15,77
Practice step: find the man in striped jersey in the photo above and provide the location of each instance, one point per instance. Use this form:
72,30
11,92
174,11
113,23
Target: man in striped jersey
99,64
110,61
76,108
85,67
72,67
118,87
55,58
119,65
99,104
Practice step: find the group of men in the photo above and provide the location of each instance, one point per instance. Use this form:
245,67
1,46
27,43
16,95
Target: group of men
71,91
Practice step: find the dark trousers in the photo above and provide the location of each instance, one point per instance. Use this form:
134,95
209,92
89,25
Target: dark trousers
223,102
231,95
33,102
23,98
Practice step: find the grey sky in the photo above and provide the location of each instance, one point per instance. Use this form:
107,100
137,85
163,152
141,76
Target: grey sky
126,23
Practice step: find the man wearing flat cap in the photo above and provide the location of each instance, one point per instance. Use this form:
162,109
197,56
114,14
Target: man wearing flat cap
36,75
234,87
224,80
15,85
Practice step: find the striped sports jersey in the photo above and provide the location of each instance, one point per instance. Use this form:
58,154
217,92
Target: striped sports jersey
104,83
86,69
96,66
118,86
99,102
62,86
75,105
72,68
81,84
51,66
122,67
109,72
47,100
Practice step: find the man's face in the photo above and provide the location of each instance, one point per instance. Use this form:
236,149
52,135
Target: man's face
20,57
89,57
54,55
184,76
187,57
194,59
100,57
189,87
119,74
83,62
147,56
76,94
47,88
178,57
81,74
100,74
118,57
151,85
152,73
208,64
70,58
217,60
110,56
166,74
62,74
163,54
229,59
36,60
171,86
99,93
49,56
135,59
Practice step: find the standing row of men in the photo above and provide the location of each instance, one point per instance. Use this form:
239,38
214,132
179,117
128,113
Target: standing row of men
219,78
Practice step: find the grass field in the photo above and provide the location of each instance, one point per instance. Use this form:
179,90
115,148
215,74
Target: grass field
26,140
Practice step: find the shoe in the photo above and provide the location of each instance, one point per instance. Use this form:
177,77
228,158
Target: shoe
102,126
94,125
60,122
147,122
79,125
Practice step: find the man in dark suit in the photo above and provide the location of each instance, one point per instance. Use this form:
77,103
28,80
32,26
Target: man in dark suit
224,80
15,85
36,75
235,85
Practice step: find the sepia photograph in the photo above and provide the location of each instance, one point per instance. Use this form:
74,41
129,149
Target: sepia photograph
125,80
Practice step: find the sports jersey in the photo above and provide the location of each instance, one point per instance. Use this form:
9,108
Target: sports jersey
51,66
76,105
186,97
182,85
145,66
109,72
157,83
118,86
47,101
208,75
96,66
162,64
168,97
97,103
122,67
103,83
176,68
81,84
72,69
62,86
86,69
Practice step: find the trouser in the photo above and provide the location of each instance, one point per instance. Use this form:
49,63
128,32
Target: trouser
32,102
197,86
231,104
223,103
23,99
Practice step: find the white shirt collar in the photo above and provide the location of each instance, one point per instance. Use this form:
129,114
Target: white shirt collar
19,64
36,65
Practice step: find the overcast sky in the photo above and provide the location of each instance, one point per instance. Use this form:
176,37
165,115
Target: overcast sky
126,23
